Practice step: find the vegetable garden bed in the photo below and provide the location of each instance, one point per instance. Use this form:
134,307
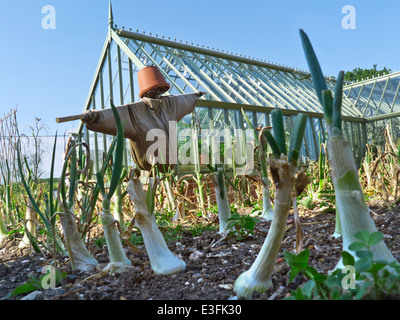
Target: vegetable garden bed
211,271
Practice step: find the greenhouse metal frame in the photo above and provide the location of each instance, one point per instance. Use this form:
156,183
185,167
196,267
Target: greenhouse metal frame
232,83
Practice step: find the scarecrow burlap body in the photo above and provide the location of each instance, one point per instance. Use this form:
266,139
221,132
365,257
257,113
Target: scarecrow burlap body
143,117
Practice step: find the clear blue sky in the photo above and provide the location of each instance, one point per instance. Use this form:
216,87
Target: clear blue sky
47,73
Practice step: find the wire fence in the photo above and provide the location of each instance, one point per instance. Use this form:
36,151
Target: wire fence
8,141
36,148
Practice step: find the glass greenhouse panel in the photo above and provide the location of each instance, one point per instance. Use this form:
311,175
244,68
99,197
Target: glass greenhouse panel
237,80
104,84
262,119
309,141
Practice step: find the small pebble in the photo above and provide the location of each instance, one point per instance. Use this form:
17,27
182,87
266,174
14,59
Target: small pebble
226,286
32,295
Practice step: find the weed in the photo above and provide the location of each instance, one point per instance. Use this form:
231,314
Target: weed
371,279
241,225
36,284
100,242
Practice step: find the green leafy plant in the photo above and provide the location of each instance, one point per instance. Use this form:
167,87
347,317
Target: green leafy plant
256,208
242,225
359,74
99,242
372,279
308,202
199,229
46,213
136,238
8,203
36,284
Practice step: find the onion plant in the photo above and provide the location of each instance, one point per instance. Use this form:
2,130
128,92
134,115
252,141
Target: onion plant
162,260
198,178
322,182
79,256
238,181
119,194
366,165
383,173
7,197
166,181
118,201
3,227
47,214
118,259
224,212
267,210
289,182
321,167
30,213
353,211
87,189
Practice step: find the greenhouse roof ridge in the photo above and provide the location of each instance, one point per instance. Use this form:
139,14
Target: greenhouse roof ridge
196,48
224,54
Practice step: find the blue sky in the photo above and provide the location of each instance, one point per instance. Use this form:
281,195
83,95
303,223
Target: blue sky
47,73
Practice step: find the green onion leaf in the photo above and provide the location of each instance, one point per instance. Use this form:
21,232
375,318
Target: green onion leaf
337,102
250,126
278,130
297,137
100,183
118,156
272,143
327,102
315,69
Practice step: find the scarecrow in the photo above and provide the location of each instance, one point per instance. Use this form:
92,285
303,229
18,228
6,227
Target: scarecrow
155,114
155,117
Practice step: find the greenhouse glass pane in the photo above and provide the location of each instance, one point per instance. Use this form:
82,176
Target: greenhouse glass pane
219,137
395,107
114,75
234,121
262,119
309,136
364,103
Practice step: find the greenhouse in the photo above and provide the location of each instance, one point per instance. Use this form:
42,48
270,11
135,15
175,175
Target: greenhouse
233,82
197,174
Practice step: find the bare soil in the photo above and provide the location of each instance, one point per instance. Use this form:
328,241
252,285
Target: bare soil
211,270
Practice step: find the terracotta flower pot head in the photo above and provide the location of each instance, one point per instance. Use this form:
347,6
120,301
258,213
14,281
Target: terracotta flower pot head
150,78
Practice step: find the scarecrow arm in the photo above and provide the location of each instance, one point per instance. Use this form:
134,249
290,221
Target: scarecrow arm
83,116
103,120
